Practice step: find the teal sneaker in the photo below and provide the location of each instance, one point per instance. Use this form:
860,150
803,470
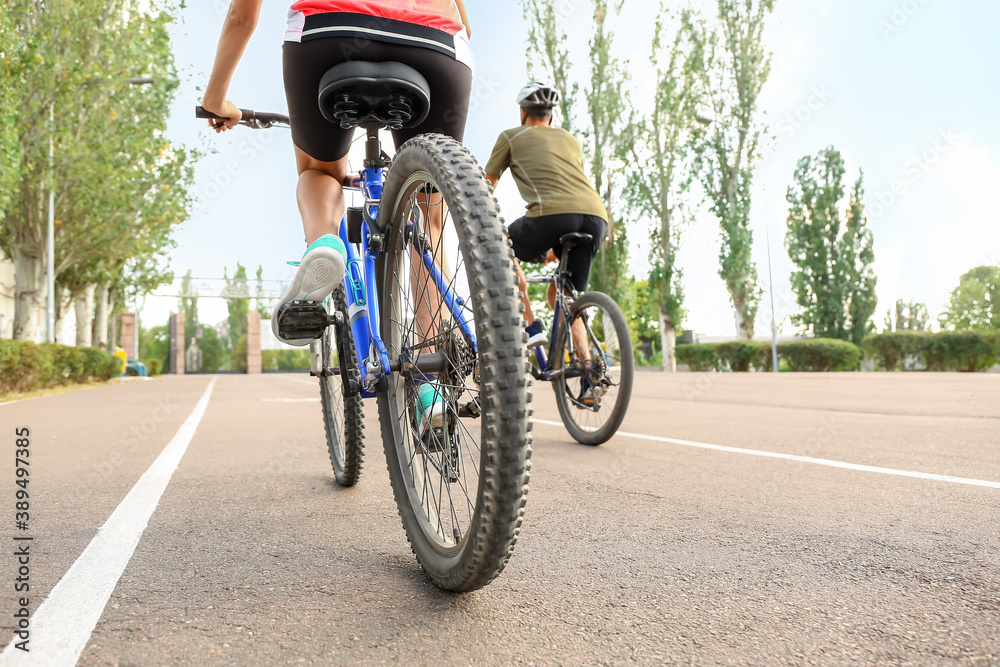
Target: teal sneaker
320,271
430,405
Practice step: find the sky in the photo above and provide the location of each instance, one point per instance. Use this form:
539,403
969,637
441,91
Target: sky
905,89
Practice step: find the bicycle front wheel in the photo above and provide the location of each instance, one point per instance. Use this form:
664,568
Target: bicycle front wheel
592,404
343,416
450,316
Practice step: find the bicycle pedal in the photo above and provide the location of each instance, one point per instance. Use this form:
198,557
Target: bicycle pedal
302,320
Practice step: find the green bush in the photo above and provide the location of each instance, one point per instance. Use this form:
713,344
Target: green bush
742,355
820,355
25,366
966,351
890,350
699,356
69,364
154,366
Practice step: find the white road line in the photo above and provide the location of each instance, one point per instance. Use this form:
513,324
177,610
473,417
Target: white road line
290,400
62,624
802,459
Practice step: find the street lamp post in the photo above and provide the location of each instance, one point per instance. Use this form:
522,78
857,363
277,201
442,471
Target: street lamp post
50,235
774,326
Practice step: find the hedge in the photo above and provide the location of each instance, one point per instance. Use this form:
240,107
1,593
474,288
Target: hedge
700,357
25,366
820,354
966,351
814,354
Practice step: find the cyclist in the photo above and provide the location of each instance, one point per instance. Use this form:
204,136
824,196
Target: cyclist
429,35
547,165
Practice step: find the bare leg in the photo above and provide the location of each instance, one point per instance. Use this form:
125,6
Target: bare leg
426,297
529,316
320,195
580,342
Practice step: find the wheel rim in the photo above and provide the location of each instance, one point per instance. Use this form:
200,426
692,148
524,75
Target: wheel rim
440,468
606,355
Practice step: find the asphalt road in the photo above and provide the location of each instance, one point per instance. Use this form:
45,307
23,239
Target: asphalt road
639,551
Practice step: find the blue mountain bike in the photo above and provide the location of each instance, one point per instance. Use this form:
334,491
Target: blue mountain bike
429,297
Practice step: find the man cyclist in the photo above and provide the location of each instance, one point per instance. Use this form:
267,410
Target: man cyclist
547,165
429,35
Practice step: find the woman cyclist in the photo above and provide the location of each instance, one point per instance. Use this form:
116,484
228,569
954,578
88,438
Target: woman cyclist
429,35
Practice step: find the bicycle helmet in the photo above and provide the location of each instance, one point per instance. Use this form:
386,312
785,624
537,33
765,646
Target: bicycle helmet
538,95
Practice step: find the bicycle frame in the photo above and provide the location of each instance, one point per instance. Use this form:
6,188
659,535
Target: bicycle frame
362,294
546,372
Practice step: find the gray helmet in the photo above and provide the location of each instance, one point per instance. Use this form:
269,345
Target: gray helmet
538,95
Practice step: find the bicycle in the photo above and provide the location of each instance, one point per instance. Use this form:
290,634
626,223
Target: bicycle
429,295
592,398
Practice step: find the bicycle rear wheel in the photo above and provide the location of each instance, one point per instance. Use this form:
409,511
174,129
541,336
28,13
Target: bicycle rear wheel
608,380
343,417
460,487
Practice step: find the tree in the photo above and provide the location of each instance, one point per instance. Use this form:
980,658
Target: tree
738,68
662,149
237,294
975,303
606,112
189,308
858,256
833,281
260,303
910,316
547,44
10,148
120,186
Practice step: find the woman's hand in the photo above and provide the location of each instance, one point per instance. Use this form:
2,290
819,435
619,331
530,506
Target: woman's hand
227,110
550,256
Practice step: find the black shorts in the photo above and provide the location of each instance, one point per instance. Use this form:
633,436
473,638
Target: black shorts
305,64
532,238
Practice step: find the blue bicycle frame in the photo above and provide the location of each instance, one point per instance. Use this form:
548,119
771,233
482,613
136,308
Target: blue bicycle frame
362,294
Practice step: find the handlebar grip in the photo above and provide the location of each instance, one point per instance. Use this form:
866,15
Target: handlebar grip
201,112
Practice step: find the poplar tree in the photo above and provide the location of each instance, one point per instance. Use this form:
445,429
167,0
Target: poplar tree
120,186
661,150
739,67
834,281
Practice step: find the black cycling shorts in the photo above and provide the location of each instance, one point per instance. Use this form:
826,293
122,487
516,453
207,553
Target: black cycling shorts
533,237
305,64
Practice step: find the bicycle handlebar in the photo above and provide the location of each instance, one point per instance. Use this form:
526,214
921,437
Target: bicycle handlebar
252,119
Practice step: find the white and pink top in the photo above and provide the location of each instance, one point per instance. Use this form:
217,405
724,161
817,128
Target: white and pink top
433,24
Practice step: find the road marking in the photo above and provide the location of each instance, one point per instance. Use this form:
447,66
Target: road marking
290,400
63,623
802,459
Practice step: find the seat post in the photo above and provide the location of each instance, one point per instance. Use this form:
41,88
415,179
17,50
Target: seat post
373,148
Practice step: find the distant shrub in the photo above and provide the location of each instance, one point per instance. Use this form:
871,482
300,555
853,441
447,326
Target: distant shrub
820,355
741,355
699,356
25,366
965,351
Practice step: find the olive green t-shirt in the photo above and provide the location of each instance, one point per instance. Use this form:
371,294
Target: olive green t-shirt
547,165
